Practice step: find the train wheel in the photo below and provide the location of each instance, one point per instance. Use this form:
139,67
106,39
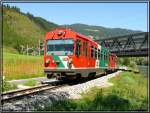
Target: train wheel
63,78
92,75
78,77
49,76
58,78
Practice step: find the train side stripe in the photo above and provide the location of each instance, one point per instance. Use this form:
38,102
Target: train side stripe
64,62
56,58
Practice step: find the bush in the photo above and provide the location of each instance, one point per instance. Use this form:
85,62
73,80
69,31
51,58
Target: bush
133,65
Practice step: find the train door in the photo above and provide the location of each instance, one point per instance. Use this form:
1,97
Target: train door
98,55
92,56
114,61
111,61
102,61
89,62
107,58
96,58
85,53
78,53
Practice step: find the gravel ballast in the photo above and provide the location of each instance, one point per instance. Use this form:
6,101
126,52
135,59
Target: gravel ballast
32,102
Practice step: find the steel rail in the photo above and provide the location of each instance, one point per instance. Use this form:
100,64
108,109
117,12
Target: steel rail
19,93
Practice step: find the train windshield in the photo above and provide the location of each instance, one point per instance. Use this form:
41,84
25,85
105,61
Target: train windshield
60,47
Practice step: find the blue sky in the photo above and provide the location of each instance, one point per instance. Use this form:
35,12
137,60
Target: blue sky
113,15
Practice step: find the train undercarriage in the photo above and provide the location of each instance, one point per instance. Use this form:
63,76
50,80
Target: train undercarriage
79,73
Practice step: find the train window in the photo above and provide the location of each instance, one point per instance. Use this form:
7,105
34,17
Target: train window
92,51
99,53
78,48
106,56
103,55
83,49
86,49
95,53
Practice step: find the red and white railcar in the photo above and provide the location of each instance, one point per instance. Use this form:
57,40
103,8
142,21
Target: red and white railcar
72,55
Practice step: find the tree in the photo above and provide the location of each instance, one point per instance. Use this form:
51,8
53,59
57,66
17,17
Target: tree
30,15
15,8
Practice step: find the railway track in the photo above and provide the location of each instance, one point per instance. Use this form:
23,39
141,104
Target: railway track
23,92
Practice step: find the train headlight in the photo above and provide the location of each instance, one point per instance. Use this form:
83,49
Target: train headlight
47,61
60,33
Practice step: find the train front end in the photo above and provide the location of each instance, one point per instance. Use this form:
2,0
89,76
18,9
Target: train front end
58,53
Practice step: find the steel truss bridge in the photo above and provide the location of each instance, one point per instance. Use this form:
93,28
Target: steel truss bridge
128,45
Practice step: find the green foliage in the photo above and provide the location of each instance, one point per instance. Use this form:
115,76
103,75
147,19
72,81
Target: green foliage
46,25
129,93
12,7
7,86
142,61
132,62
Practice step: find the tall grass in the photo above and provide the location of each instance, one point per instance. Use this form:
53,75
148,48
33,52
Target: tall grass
17,66
129,93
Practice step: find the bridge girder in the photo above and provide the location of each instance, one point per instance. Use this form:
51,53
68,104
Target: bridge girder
127,45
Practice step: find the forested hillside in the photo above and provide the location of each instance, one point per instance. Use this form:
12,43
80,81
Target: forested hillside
98,31
24,28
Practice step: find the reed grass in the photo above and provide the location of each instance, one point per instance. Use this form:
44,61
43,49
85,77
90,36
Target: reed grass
16,66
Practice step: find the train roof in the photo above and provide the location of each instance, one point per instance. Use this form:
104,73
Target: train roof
78,34
86,38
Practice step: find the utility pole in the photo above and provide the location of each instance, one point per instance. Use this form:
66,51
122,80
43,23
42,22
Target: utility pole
27,49
22,48
39,48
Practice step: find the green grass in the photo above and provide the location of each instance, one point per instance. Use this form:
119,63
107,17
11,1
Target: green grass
10,50
129,93
31,83
7,86
16,66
